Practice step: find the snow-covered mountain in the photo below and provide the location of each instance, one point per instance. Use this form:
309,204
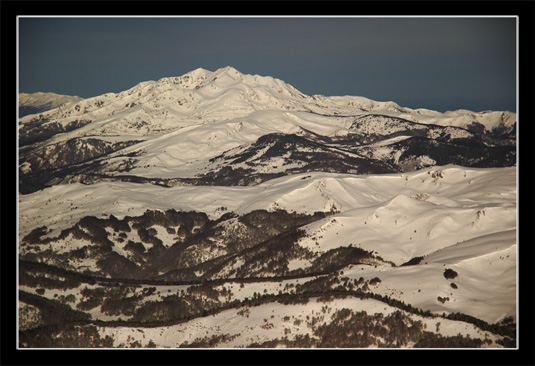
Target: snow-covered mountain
31,103
182,130
221,203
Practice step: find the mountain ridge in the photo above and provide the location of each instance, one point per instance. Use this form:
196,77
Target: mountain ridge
218,209
32,103
229,76
174,127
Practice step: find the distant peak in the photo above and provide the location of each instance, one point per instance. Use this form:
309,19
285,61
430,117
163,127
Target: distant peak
199,70
229,69
199,73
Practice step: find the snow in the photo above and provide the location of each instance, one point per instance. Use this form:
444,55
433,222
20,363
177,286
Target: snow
51,100
466,219
270,321
454,217
486,285
184,119
386,195
390,141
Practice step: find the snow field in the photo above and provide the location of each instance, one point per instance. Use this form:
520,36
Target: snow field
462,192
485,286
453,217
266,322
74,293
184,120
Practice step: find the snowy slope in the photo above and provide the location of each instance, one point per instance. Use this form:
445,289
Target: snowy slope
450,216
202,96
204,176
173,127
459,118
273,321
30,103
300,193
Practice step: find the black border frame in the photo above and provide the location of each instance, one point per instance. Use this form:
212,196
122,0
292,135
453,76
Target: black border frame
524,355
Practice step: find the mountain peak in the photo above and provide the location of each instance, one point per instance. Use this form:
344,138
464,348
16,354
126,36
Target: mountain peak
199,73
226,93
30,103
228,72
229,69
201,77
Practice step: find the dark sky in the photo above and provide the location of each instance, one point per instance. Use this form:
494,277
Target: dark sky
439,63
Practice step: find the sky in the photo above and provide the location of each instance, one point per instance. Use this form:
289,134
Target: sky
439,63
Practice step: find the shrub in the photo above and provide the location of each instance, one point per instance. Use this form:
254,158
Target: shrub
450,274
375,281
70,336
413,261
35,235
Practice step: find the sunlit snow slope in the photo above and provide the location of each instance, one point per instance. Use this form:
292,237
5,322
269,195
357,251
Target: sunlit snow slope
218,209
183,130
31,103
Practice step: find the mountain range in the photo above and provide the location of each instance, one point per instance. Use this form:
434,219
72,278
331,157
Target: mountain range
183,130
237,206
31,103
